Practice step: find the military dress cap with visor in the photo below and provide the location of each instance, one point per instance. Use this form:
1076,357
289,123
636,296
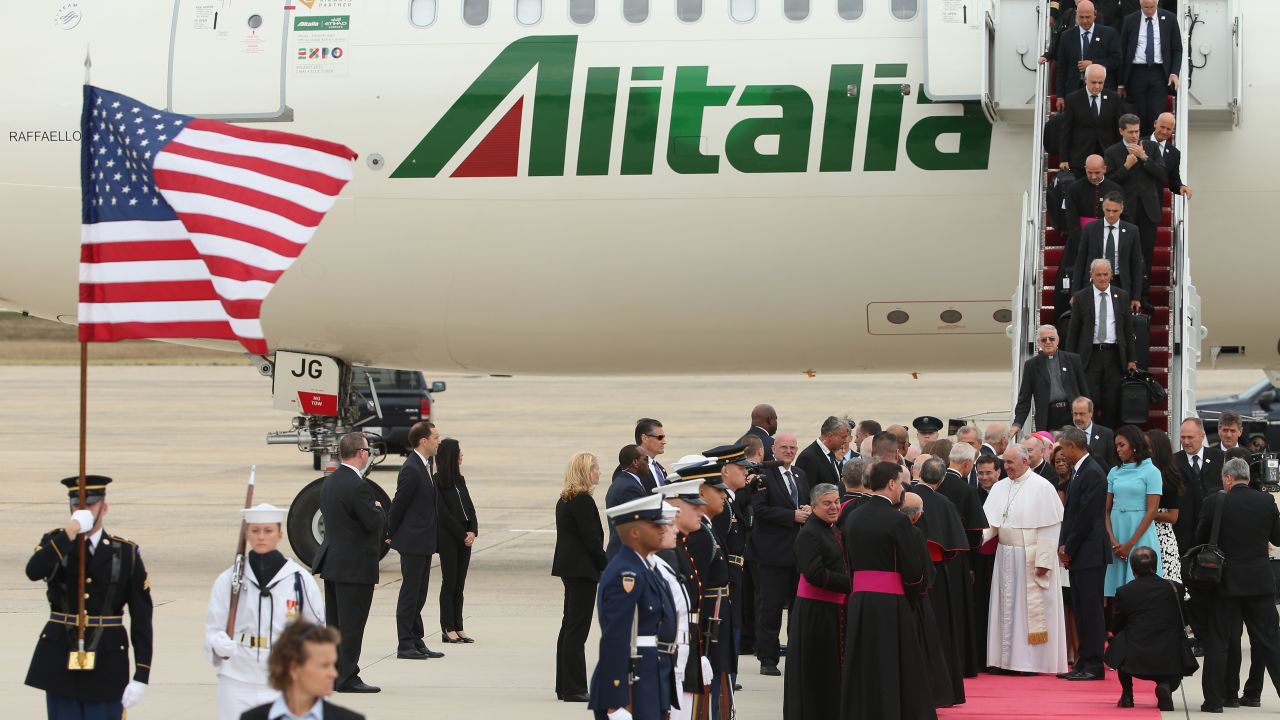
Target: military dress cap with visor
95,487
732,455
927,424
699,467
686,490
648,508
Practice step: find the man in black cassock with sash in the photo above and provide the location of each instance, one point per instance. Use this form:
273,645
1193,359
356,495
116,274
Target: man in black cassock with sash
950,588
884,658
815,638
968,502
934,651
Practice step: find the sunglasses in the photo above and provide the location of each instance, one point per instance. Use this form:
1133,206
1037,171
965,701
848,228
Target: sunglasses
659,438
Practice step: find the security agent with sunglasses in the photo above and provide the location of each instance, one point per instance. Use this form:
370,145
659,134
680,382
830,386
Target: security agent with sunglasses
115,578
1052,379
348,558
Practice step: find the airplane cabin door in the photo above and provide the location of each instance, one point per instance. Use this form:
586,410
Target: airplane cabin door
227,59
959,40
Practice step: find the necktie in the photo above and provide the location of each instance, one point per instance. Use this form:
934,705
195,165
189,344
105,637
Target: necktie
659,477
1084,44
791,487
1195,463
1093,102
1109,250
1101,335
1151,43
835,463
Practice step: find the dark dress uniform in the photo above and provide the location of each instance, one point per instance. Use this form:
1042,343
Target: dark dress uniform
632,596
115,578
716,611
730,528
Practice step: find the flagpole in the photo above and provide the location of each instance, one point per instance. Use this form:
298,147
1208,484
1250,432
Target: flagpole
82,618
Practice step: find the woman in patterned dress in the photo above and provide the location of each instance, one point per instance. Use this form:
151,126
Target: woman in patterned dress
1161,448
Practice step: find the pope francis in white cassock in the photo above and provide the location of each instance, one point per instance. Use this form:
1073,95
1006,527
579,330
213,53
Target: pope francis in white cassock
275,591
1026,624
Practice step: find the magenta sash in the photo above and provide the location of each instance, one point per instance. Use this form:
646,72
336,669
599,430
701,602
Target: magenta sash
1085,221
809,591
878,581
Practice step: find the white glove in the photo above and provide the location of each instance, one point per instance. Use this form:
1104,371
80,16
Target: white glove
620,714
222,644
132,693
85,518
706,671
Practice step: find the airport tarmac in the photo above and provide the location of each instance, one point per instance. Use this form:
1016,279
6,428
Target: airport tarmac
179,442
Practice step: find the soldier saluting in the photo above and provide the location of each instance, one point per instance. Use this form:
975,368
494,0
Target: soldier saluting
98,688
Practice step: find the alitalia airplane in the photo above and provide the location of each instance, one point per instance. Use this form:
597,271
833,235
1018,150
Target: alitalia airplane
548,186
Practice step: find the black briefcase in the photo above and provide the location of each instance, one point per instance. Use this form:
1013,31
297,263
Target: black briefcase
1141,340
1135,401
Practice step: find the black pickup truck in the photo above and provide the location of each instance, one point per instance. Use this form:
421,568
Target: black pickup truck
404,397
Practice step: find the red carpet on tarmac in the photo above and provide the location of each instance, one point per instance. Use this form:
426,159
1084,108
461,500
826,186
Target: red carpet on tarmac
1045,696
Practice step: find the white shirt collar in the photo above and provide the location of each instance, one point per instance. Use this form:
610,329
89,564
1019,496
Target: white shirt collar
1080,462
425,460
280,711
94,539
353,468
1097,292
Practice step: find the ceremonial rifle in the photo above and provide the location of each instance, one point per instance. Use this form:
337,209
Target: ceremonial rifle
237,569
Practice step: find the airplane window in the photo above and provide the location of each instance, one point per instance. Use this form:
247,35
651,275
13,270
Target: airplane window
796,9
422,12
742,10
849,9
903,9
528,12
635,11
582,12
689,10
476,12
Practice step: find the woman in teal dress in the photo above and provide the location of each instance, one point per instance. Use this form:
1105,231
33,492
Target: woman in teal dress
1133,498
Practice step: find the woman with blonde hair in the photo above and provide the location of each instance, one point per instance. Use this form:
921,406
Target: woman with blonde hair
578,561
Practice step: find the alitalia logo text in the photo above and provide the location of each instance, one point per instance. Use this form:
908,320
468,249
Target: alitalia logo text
791,122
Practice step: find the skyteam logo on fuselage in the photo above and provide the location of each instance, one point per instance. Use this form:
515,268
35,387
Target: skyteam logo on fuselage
777,141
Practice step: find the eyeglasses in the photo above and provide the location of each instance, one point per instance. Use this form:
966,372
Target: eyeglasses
368,450
659,438
1048,340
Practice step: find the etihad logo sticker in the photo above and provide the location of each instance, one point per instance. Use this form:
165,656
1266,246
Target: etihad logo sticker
777,140
315,23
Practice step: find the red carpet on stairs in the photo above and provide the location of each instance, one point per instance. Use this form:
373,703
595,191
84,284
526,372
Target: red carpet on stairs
1045,696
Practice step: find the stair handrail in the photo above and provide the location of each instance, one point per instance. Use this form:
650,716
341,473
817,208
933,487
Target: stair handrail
1183,348
1031,260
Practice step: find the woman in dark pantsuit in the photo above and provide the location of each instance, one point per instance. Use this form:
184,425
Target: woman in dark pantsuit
458,531
578,561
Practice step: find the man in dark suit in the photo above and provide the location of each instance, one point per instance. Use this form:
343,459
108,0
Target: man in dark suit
628,484
1151,47
1172,156
415,524
1148,631
1084,550
1101,333
1250,520
1201,468
348,558
1091,118
1136,165
818,460
1117,241
1053,378
652,441
1102,440
779,509
764,423
1083,202
1087,44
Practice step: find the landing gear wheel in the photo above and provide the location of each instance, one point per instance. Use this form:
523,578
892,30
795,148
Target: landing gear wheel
305,524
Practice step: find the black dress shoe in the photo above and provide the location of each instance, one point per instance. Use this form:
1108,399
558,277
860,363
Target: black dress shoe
1232,703
737,687
466,639
770,669
576,697
1245,700
1211,708
358,686
444,638
1081,675
1126,700
414,654
1063,676
428,652
1164,697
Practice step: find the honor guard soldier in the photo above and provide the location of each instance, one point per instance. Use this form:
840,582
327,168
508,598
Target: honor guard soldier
92,684
927,429
273,591
632,678
731,528
712,565
693,669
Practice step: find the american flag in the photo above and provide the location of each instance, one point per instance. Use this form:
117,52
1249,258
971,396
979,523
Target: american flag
187,223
